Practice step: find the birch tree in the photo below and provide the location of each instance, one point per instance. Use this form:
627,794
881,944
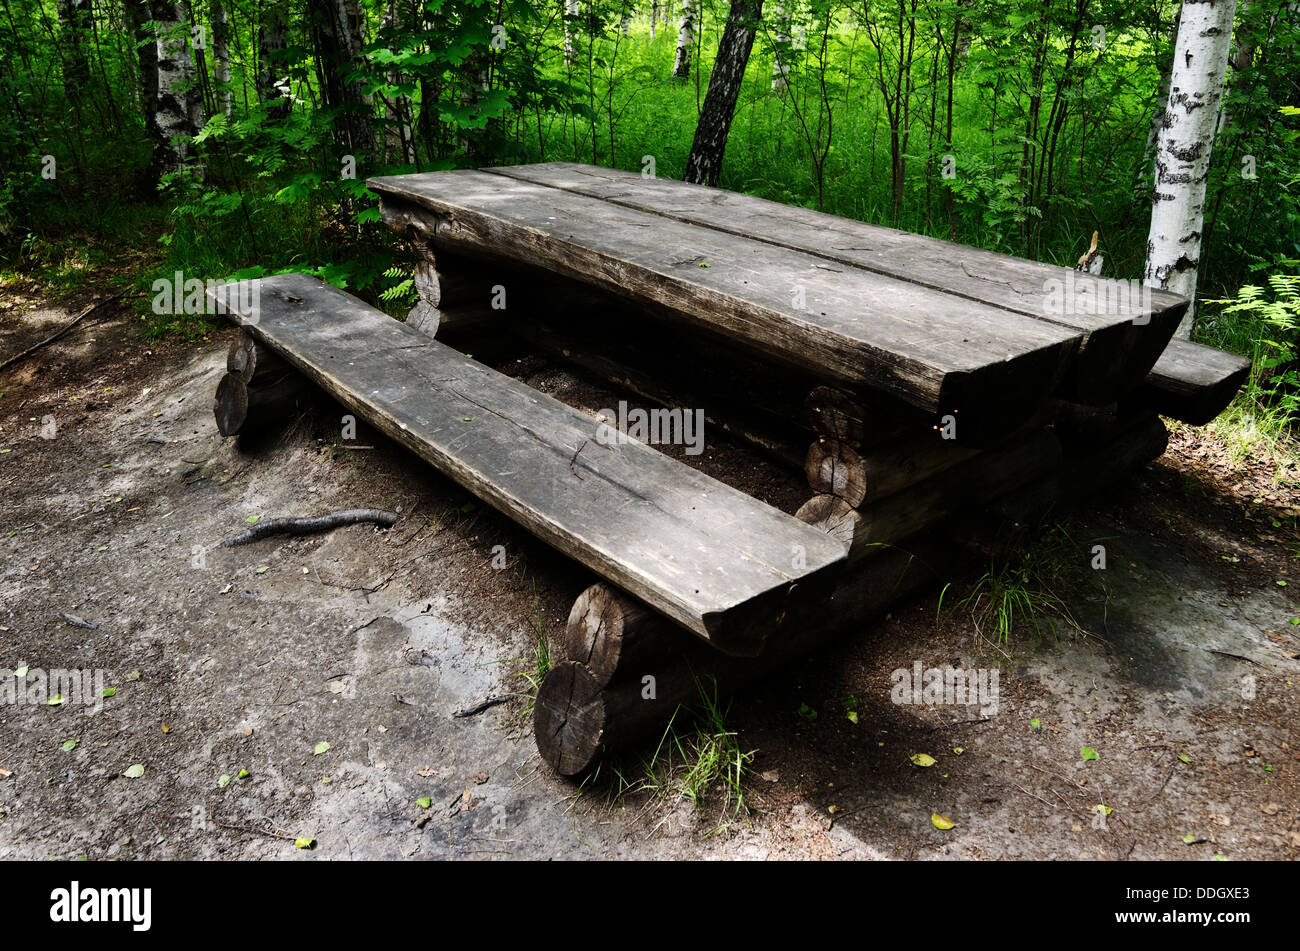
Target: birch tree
685,39
1184,147
781,48
221,54
176,110
704,164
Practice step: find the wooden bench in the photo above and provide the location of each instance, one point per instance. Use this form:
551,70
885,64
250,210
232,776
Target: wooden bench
716,561
1193,383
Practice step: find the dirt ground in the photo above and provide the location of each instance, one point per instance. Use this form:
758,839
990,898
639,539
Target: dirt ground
240,662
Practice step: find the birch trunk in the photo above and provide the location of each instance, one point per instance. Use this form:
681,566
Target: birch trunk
685,40
654,17
781,49
174,107
704,164
1183,151
221,55
571,12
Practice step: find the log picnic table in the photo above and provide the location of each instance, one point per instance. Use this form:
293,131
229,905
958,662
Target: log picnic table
932,378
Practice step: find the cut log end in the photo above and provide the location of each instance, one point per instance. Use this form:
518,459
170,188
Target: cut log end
833,467
231,404
594,633
832,515
569,718
608,629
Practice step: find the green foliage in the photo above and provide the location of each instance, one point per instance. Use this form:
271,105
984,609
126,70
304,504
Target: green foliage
1262,323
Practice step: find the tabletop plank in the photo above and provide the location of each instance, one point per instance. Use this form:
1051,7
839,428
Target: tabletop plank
934,350
1125,327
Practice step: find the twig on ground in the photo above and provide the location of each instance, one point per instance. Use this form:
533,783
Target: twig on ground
480,707
310,526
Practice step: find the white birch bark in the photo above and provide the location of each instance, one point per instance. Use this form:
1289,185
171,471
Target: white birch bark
1184,147
571,11
173,112
781,49
685,40
221,55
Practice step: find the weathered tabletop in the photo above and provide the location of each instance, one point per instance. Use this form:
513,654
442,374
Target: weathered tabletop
941,326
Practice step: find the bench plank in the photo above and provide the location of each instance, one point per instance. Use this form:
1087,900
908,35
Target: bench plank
1115,353
708,556
931,349
1192,382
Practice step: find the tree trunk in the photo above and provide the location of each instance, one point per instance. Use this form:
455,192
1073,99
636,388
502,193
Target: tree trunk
272,84
399,137
571,12
704,165
221,55
686,40
1183,152
781,49
137,15
74,30
341,30
174,108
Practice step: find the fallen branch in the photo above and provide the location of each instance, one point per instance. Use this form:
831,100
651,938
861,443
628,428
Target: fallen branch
310,526
480,707
49,340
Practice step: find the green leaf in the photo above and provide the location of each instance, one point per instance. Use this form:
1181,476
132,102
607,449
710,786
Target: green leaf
302,842
941,822
263,569
321,747
1184,757
807,712
242,774
1189,839
110,691
959,750
1087,752
1034,724
253,519
923,759
424,802
134,772
69,745
57,700
224,781
22,671
851,716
